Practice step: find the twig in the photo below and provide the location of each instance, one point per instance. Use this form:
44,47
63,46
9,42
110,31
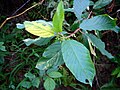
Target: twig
21,7
89,16
106,32
73,33
20,13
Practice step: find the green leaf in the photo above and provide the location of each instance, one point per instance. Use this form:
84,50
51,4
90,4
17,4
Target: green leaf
100,45
53,69
49,84
30,76
79,6
69,10
118,75
116,71
77,59
20,26
42,41
38,41
1,60
116,29
110,86
42,29
55,74
100,22
52,50
58,18
2,48
75,26
35,82
52,57
101,3
26,84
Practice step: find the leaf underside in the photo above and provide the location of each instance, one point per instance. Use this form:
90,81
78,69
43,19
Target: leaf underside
100,45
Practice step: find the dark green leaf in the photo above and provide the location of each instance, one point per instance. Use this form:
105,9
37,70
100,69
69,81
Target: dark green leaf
35,82
118,75
1,60
79,6
26,84
101,3
49,84
52,50
58,18
55,74
30,76
53,69
52,57
100,45
110,86
100,22
77,59
2,48
116,72
75,26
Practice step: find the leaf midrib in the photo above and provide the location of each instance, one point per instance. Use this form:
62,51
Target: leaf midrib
78,60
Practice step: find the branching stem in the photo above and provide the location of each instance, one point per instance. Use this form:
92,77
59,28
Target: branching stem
75,33
39,3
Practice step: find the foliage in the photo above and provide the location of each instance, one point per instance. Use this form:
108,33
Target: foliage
61,54
73,53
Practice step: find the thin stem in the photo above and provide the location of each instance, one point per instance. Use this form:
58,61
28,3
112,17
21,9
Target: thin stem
20,13
75,33
89,16
20,7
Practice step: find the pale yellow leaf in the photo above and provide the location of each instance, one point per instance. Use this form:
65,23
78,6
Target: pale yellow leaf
39,28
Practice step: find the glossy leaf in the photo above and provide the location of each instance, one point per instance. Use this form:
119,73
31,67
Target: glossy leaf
55,74
52,57
42,29
101,3
38,41
77,58
49,84
58,18
100,22
79,6
99,44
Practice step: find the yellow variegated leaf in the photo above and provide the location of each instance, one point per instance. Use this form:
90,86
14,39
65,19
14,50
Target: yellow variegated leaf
42,29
